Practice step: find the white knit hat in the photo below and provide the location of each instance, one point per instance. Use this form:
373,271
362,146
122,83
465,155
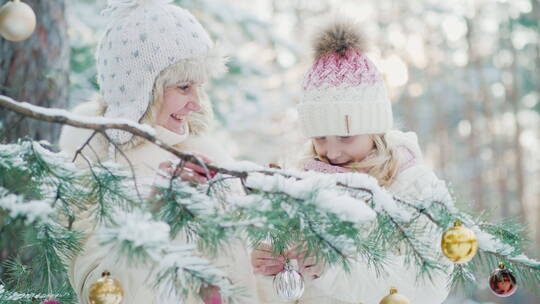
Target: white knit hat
144,38
343,92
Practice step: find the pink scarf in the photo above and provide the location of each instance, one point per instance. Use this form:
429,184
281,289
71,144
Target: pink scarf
319,166
406,160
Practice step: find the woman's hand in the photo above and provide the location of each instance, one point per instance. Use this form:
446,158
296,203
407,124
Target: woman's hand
189,172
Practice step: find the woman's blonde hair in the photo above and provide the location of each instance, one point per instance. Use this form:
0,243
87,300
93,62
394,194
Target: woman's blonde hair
184,71
381,162
198,69
198,121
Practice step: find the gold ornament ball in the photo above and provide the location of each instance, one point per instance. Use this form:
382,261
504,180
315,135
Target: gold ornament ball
17,21
395,298
459,244
106,290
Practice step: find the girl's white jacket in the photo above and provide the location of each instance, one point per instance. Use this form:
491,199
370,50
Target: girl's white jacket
362,285
145,157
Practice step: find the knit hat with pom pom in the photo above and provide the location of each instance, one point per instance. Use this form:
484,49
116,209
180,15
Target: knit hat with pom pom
143,38
343,92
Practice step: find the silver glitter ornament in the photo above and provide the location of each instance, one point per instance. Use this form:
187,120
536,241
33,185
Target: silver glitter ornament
289,283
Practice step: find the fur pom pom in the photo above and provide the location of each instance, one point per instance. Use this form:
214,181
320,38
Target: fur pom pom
339,37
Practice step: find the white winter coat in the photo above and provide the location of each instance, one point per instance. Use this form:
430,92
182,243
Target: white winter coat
145,157
362,285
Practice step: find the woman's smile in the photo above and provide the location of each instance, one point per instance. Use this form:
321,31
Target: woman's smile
177,117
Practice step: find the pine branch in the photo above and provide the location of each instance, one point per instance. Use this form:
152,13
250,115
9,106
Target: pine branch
338,251
462,278
101,124
81,148
14,297
130,164
142,241
292,194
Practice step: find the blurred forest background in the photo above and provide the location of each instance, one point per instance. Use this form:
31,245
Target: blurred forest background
463,74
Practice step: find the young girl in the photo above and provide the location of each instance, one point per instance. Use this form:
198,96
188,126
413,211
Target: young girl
150,67
347,115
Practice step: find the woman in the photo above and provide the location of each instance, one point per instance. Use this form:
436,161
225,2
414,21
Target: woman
151,64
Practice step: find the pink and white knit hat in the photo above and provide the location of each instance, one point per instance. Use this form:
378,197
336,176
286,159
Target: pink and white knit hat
343,92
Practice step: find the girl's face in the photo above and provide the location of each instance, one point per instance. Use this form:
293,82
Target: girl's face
343,150
178,102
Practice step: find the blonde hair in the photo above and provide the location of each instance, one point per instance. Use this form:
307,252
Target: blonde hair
184,71
197,69
381,162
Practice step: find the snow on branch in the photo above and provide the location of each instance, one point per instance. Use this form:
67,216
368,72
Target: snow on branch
99,124
143,238
297,184
65,117
7,295
17,206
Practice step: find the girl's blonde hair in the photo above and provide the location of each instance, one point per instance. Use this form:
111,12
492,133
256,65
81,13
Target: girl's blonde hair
381,162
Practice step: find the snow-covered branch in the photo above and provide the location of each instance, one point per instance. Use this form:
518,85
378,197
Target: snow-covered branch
338,214
100,124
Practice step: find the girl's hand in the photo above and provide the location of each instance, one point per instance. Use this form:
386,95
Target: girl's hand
309,266
265,262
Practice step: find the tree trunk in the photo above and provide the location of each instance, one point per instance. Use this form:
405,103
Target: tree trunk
443,134
513,95
474,140
36,70
518,130
536,13
497,167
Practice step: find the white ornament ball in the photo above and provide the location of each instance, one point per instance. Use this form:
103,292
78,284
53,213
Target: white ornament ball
289,283
17,20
